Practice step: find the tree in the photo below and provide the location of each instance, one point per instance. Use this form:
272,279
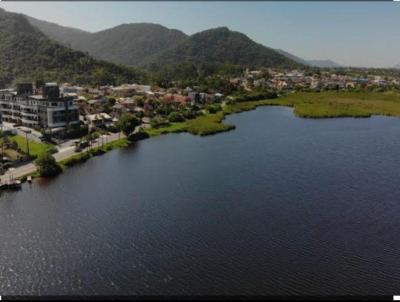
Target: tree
158,122
47,165
139,100
175,117
214,108
127,123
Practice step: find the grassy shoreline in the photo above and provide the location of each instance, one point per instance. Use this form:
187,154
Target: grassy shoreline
202,125
306,105
210,123
329,104
84,156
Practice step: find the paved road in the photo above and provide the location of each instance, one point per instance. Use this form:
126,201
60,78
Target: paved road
62,154
32,135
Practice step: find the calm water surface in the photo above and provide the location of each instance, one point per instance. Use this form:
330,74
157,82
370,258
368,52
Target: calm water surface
279,206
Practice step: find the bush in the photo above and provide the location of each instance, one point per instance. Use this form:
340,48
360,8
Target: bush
158,122
47,165
175,117
113,129
77,159
214,108
139,136
127,123
256,96
97,151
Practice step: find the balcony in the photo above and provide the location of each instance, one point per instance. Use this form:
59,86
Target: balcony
29,114
33,107
29,122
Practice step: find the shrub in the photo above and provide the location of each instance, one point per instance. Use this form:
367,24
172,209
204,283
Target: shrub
214,108
158,122
77,159
47,165
175,117
127,123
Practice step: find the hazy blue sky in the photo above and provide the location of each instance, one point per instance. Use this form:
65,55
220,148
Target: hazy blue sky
351,33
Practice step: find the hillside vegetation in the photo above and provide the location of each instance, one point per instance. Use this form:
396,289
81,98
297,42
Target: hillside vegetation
155,46
219,46
27,54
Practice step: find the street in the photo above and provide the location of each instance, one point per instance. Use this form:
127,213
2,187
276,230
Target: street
62,154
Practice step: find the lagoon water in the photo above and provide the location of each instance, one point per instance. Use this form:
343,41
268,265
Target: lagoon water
279,206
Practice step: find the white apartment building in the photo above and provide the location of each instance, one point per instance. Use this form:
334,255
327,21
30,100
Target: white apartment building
39,108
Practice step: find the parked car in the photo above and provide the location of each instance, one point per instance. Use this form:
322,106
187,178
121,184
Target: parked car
81,145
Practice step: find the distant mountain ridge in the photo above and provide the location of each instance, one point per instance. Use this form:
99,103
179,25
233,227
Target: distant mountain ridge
323,63
67,36
292,56
147,44
314,63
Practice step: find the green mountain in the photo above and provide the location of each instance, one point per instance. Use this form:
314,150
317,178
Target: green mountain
155,46
27,54
222,46
67,36
127,44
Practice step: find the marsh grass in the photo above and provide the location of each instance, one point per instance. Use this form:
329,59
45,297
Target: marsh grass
342,104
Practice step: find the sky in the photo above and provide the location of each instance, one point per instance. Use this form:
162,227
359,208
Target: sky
363,34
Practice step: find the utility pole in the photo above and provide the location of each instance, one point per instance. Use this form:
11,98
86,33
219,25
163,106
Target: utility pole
27,141
2,148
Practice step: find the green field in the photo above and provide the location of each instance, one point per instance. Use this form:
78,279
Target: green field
35,148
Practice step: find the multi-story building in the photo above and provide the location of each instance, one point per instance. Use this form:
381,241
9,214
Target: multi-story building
40,108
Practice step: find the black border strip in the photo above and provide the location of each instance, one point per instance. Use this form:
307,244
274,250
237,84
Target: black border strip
203,298
199,0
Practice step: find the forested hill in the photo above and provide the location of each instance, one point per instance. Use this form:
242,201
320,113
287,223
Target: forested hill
146,44
67,36
27,54
128,44
222,46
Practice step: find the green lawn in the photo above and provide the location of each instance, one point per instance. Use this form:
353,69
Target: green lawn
35,148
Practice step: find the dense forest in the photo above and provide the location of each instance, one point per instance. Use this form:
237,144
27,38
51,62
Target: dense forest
223,46
27,54
154,46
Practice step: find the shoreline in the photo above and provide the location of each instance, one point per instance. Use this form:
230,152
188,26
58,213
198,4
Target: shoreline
210,124
214,119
